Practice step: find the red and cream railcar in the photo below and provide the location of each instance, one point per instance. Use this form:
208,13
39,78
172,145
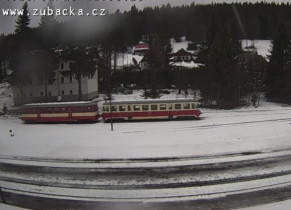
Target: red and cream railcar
151,109
60,112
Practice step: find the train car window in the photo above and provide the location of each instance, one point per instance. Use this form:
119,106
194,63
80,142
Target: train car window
56,110
33,111
163,107
154,107
75,109
64,109
193,106
136,107
89,108
170,106
177,106
186,106
94,108
105,108
113,108
145,107
50,110
121,108
43,110
84,109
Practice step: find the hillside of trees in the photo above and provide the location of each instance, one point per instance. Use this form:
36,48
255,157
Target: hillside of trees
216,28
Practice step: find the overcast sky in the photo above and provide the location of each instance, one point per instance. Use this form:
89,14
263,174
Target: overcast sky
7,23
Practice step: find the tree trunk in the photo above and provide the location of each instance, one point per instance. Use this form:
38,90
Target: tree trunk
21,94
45,91
80,87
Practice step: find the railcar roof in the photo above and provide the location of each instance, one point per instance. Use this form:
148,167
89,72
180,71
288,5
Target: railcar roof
183,100
60,104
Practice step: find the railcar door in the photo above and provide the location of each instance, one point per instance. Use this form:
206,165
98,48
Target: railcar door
70,110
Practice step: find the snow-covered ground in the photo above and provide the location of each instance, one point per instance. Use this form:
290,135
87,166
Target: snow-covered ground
6,96
283,205
218,136
9,207
218,132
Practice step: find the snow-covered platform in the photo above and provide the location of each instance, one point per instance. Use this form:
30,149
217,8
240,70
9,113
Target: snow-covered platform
219,132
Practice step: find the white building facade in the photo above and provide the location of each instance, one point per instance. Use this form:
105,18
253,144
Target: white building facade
65,87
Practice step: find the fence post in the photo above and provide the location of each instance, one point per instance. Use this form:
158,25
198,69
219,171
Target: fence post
2,196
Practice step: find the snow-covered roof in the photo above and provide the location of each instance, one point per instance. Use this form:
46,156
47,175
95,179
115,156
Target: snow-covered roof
184,64
183,52
56,104
262,47
127,59
178,100
176,46
141,47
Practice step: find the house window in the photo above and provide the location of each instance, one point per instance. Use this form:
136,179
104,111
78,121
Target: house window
31,94
41,93
62,79
71,92
63,92
50,93
62,65
71,79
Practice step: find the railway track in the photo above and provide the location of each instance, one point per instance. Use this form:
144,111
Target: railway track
210,178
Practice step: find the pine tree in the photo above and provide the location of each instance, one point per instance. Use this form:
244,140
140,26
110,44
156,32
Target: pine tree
23,21
218,54
48,21
278,80
46,62
82,63
156,55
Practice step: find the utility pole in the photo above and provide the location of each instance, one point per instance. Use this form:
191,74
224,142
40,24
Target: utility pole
108,55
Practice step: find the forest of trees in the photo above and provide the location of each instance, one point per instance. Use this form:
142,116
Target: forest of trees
216,28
